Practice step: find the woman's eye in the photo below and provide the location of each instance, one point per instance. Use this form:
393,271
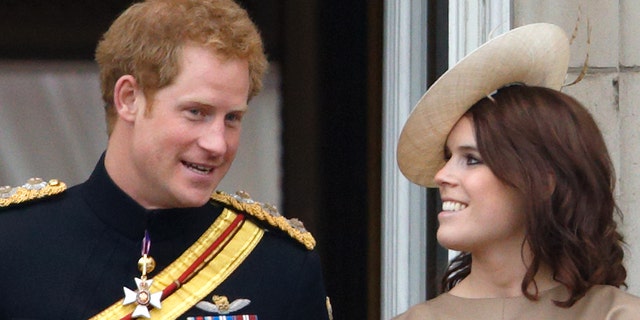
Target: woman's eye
472,160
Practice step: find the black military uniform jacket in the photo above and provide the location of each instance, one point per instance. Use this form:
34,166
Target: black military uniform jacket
70,255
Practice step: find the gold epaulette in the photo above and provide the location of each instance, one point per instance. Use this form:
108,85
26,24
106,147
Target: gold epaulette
268,213
35,188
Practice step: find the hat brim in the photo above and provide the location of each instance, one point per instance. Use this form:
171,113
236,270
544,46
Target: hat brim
535,54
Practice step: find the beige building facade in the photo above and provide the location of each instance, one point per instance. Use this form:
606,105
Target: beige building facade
610,89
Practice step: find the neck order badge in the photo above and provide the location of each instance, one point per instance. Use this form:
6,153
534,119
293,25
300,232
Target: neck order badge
143,296
221,249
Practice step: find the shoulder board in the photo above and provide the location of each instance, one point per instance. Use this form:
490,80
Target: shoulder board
268,213
34,188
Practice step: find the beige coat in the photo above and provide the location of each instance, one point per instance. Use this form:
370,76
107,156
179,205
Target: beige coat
600,302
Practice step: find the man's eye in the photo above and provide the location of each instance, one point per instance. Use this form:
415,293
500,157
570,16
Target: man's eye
195,113
234,117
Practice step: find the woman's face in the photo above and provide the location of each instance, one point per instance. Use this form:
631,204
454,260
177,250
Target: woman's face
479,211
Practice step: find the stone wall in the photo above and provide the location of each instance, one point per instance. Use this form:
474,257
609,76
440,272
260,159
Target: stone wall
610,89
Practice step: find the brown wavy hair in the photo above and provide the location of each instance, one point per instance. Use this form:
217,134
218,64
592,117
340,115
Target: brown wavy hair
145,41
547,146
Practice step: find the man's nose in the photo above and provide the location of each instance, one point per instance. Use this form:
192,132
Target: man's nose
213,138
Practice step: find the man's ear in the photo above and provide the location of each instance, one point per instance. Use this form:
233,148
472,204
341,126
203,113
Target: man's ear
127,96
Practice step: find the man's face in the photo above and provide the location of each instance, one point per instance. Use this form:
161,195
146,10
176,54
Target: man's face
183,148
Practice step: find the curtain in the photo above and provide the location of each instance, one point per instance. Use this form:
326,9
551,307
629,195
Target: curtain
52,126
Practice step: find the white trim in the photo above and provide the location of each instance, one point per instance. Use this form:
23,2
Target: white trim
473,22
403,203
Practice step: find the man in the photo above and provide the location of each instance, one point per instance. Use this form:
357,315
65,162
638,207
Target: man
146,235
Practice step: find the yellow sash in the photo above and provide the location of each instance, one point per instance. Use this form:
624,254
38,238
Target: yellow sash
229,256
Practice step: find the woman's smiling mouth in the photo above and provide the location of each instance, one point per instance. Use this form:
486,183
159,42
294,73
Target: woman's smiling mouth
453,206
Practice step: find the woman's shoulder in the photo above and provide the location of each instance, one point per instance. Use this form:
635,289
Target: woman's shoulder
444,306
600,302
604,302
613,296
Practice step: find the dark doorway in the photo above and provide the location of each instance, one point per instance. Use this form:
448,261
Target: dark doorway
332,66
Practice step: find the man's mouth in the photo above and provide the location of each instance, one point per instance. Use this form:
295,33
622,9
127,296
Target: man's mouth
200,169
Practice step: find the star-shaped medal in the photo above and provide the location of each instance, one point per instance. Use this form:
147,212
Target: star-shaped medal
142,297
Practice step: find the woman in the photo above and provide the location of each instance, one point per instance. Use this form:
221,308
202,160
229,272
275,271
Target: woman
527,188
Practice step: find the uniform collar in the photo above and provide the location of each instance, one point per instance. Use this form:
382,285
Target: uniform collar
118,210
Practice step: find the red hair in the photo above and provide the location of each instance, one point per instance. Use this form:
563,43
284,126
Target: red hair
145,41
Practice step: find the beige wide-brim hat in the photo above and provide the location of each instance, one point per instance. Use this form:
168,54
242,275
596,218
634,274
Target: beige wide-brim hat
535,55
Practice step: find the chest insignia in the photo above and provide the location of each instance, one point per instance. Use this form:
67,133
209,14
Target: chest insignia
267,213
34,188
221,305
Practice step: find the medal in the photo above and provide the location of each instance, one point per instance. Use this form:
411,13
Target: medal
143,296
